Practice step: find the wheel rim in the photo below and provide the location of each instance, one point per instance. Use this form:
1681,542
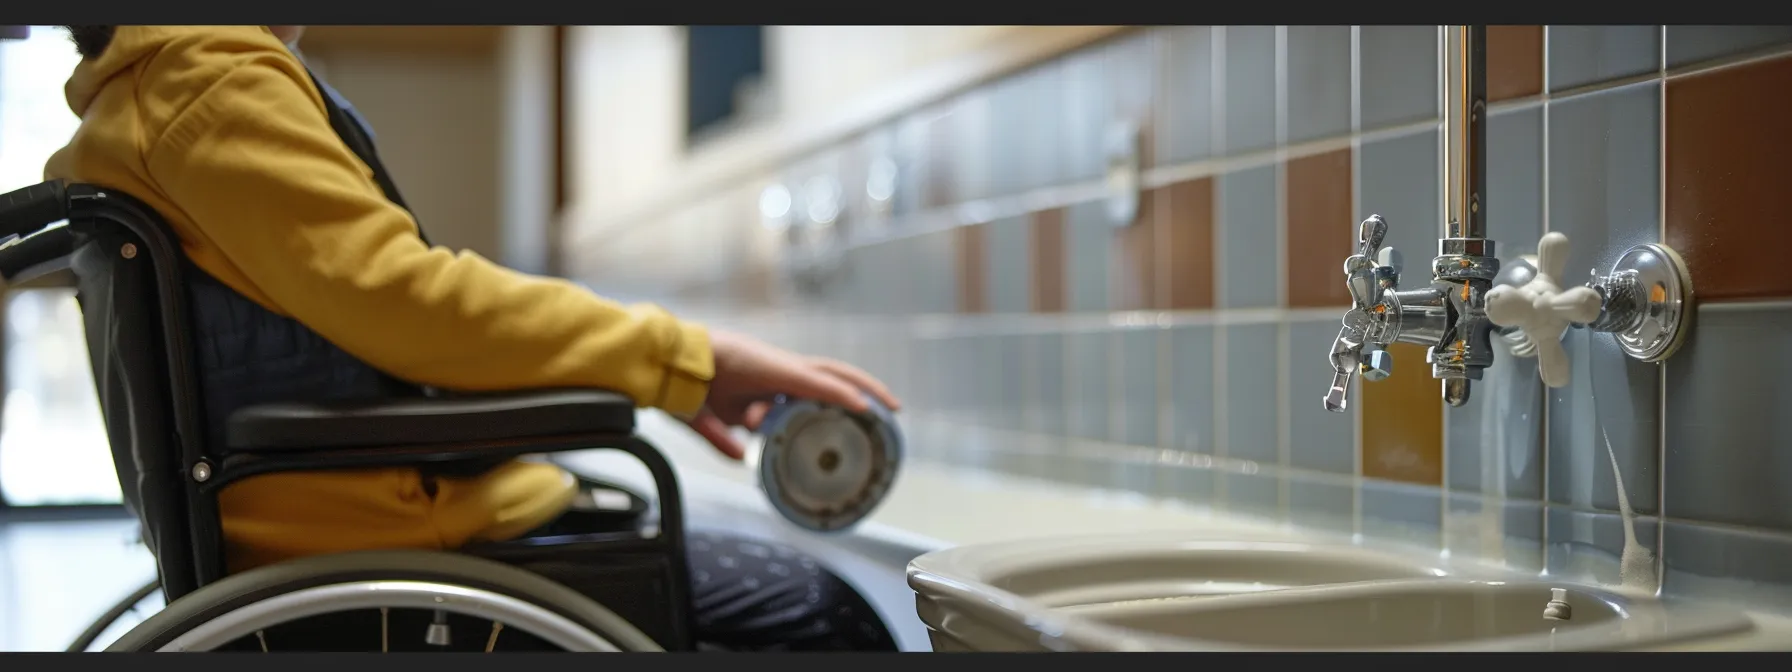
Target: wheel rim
249,619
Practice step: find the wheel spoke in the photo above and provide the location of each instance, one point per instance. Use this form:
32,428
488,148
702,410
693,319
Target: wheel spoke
262,637
385,630
492,641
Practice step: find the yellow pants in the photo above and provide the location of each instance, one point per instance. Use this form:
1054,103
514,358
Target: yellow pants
277,517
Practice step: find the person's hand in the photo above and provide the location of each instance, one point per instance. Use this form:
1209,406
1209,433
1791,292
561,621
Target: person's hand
750,373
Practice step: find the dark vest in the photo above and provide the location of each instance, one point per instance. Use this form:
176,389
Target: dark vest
247,355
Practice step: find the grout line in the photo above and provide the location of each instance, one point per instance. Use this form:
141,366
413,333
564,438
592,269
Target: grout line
1744,306
1445,95
1661,391
1723,63
1284,420
1221,407
1356,203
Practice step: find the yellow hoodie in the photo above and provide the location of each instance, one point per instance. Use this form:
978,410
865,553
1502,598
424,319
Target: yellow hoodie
221,131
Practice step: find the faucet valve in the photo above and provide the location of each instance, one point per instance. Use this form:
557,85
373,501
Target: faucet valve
1444,316
1645,301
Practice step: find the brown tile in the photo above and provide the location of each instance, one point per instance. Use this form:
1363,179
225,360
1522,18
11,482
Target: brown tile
1048,261
1403,421
1188,243
1135,284
973,295
1727,135
1514,62
1321,227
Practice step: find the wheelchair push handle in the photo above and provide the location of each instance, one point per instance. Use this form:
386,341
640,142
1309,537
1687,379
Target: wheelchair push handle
29,210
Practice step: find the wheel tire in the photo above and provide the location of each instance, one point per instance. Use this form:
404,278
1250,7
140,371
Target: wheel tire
99,627
263,583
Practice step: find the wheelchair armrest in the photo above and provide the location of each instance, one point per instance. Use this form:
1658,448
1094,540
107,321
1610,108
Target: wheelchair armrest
428,421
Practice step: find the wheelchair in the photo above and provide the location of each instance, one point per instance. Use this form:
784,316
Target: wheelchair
618,584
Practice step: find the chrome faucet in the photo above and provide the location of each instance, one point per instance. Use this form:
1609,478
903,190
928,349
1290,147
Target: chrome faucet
1645,300
1449,317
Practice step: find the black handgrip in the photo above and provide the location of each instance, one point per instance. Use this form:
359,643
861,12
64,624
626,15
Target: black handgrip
21,262
29,210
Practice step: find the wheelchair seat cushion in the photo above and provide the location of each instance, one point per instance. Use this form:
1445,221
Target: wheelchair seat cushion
428,421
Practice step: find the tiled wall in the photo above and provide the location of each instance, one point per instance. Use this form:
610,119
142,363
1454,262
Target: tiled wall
1184,356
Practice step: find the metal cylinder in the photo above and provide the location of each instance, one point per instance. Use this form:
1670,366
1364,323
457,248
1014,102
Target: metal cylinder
1465,131
824,468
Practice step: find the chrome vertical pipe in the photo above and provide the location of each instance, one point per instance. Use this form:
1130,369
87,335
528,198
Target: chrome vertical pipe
1465,126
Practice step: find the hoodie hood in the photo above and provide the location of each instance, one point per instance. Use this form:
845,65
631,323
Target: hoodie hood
133,45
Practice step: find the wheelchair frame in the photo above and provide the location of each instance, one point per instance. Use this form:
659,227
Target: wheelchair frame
178,501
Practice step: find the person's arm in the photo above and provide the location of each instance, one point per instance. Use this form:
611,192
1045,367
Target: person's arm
254,163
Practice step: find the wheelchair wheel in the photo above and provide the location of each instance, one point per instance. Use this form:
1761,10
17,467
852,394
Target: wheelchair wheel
118,611
384,601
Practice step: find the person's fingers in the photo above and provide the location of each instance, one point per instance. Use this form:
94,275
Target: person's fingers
713,430
859,377
755,415
800,379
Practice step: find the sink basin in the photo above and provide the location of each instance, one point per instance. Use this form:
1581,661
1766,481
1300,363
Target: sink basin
1365,616
1107,575
1170,592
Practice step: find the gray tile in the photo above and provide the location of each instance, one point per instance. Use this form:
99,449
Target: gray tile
1397,179
1007,266
924,385
995,379
1254,494
934,272
1399,75
1495,442
1321,505
1691,44
1317,439
1089,389
1005,134
1727,564
1582,55
1085,115
1131,65
1040,156
1252,414
1318,82
1251,266
1587,546
1009,402
1138,396
911,158
970,150
1509,531
1729,453
1604,186
1088,244
964,375
1186,131
1191,389
1045,395
1405,512
1188,484
1250,98
1515,181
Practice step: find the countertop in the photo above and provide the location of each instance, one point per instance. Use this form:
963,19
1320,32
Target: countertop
934,507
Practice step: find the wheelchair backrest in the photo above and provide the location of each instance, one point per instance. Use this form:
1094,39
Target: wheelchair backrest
128,269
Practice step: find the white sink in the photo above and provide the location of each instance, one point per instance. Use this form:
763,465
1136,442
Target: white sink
1168,592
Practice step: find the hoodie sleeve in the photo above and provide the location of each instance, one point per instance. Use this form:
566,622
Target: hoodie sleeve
254,164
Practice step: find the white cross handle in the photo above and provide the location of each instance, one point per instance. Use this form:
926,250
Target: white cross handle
1544,310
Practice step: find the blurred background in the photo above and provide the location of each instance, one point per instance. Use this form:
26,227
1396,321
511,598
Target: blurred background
1096,259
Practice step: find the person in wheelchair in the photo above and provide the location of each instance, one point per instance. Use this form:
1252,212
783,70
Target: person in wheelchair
315,283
